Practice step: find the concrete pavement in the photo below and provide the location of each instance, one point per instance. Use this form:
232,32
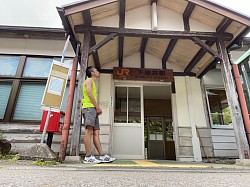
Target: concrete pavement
135,164
159,164
134,173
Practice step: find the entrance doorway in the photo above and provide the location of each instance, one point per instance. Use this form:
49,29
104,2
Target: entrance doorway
142,123
158,129
128,123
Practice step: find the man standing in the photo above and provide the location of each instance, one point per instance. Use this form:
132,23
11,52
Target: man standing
91,111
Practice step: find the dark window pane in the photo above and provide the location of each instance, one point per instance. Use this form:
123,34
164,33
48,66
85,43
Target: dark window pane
134,105
120,105
219,108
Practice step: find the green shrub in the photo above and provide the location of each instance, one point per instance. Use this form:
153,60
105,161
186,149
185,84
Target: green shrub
12,157
40,162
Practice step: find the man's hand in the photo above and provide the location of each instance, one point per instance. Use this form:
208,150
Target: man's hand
98,111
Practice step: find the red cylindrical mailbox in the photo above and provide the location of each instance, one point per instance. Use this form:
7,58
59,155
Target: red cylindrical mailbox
55,121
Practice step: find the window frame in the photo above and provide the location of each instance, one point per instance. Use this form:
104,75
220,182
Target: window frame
127,110
17,80
209,110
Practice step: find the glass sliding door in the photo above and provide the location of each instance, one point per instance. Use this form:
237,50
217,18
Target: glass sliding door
128,128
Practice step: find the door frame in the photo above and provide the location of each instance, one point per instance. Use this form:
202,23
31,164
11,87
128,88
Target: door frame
163,135
139,125
129,83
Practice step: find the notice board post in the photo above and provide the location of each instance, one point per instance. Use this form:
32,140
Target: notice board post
54,91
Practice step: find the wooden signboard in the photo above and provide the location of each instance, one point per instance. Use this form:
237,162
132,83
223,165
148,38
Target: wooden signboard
163,75
55,87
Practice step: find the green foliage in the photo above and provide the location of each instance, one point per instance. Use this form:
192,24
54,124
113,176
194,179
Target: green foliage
41,162
225,115
1,136
12,157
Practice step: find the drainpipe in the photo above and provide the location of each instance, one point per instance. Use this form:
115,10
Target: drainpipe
241,95
67,118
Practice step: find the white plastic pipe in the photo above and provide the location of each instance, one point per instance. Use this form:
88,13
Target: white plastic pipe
154,20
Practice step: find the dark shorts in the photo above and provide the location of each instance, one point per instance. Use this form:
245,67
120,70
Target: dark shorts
90,118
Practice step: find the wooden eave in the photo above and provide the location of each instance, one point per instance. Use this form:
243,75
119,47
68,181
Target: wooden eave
31,32
192,51
86,5
222,11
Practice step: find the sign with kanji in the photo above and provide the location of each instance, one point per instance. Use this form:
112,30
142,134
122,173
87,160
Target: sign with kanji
163,75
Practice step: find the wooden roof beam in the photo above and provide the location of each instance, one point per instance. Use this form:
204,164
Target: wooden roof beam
120,56
213,63
67,28
142,50
168,51
213,36
110,71
224,24
186,15
122,8
221,28
206,48
102,43
88,21
197,57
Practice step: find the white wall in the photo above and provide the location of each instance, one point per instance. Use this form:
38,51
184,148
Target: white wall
134,61
182,102
34,47
213,78
236,55
199,112
140,18
169,20
112,21
105,82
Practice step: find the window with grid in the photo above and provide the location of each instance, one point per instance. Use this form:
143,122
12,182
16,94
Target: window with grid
219,111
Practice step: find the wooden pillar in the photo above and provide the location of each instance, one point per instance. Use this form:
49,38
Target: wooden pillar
76,134
235,110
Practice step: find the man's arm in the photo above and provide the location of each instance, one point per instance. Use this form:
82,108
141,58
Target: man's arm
88,84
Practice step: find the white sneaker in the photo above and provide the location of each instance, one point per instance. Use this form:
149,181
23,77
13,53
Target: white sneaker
106,159
91,160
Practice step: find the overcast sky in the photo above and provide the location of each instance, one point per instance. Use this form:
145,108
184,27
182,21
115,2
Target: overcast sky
43,13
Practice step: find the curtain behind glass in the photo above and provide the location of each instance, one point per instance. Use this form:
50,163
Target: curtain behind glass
5,89
28,106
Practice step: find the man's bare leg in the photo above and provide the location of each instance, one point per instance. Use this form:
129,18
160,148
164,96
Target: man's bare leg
97,142
87,139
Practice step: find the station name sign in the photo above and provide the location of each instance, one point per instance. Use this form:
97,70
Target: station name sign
143,74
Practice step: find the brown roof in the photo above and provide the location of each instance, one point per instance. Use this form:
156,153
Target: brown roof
191,51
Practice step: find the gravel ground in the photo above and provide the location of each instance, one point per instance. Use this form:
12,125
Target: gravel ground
25,174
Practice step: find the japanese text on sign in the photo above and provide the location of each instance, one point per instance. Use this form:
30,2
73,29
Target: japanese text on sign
164,75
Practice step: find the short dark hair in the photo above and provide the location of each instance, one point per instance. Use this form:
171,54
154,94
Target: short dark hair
89,70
